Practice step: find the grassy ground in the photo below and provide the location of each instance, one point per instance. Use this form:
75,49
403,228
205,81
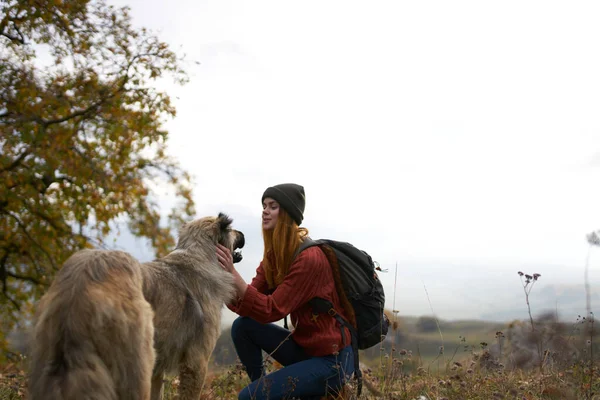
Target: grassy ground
464,369
462,381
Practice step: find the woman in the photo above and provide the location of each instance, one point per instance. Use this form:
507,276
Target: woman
317,358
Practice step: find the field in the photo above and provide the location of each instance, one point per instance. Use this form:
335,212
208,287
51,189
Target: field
423,358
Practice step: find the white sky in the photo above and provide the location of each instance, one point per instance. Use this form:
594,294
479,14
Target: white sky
460,139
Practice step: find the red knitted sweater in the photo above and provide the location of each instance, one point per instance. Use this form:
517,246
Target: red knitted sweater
310,275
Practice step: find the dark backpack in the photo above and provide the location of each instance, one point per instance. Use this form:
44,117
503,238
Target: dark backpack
364,291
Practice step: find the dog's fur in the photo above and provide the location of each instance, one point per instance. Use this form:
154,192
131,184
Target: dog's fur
110,327
93,331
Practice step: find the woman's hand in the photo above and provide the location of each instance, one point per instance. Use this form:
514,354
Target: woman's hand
226,262
225,258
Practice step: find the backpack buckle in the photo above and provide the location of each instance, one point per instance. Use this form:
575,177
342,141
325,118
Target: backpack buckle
332,312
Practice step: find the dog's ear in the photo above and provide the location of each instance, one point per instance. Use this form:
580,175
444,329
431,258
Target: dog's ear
223,222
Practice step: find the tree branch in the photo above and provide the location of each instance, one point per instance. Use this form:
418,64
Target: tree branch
32,240
20,39
70,35
3,265
4,21
16,162
25,278
13,38
3,275
74,115
13,301
168,169
120,87
85,111
101,175
48,220
38,269
7,18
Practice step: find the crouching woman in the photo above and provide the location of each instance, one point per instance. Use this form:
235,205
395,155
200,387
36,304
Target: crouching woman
316,354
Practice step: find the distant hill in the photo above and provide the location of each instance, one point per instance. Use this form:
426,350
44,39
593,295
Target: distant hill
419,335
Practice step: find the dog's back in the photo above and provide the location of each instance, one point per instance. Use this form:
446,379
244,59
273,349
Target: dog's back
93,332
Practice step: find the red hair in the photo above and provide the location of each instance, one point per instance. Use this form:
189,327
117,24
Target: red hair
281,244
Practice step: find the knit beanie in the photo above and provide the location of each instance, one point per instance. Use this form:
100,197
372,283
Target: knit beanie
290,197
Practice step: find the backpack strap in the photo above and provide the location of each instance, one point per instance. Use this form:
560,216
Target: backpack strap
323,306
306,243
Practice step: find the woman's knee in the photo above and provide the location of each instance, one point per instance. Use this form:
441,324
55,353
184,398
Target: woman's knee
244,395
240,325
247,393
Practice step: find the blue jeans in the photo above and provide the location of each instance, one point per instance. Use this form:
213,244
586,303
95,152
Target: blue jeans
302,377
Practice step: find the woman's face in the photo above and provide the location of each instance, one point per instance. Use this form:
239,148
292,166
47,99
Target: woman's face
270,213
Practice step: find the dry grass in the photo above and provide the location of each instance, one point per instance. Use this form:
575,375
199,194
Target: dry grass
526,360
482,373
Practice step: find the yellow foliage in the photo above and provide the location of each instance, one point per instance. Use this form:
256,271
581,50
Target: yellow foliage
80,140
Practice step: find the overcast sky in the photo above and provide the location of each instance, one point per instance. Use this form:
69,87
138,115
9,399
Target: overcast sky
459,139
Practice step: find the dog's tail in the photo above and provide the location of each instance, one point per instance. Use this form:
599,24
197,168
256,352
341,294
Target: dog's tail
72,374
64,363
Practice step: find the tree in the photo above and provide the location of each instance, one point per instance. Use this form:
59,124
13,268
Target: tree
81,139
427,324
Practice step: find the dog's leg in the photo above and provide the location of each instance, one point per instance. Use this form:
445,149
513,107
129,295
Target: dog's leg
157,385
192,380
194,367
143,360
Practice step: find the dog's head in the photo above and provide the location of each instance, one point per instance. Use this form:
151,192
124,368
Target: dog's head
216,230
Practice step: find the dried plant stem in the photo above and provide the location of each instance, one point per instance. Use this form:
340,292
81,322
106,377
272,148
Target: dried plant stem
529,310
591,322
527,290
389,379
588,302
394,299
269,356
437,322
527,286
593,240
